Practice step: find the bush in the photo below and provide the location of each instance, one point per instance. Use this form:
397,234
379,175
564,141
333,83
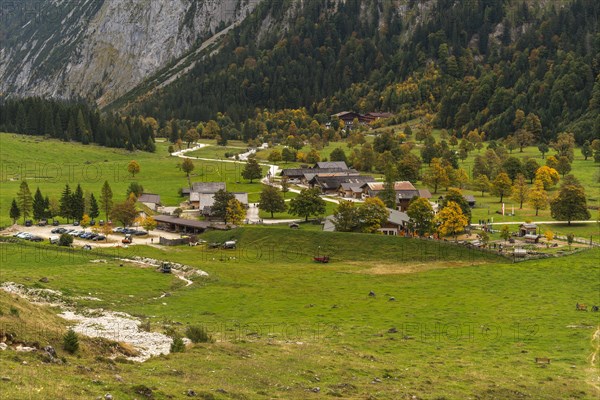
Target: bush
71,342
14,312
177,346
65,240
197,334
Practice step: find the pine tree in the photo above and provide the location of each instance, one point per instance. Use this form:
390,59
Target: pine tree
388,194
39,205
15,212
106,199
78,203
65,203
71,342
24,200
94,211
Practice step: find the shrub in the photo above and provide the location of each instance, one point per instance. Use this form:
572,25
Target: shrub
14,312
177,346
65,240
71,342
197,334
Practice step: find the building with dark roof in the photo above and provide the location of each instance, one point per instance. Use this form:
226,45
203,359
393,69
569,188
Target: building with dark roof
174,224
204,187
331,164
150,200
405,191
331,184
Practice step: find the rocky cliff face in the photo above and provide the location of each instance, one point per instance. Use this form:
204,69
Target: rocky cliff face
100,49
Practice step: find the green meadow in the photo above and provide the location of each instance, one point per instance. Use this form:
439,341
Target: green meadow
50,164
462,324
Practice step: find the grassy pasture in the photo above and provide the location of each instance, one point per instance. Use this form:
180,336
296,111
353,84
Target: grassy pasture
50,164
467,324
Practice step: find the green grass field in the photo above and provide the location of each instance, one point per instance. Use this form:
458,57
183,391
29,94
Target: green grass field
50,164
467,324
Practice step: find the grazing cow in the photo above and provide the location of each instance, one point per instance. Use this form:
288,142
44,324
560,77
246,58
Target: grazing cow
595,309
371,294
580,307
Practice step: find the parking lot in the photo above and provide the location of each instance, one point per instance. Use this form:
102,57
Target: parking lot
88,236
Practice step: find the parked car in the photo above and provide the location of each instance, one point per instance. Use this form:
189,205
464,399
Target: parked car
43,222
36,239
55,223
92,236
101,223
76,223
54,239
140,233
55,230
230,244
29,223
85,235
23,235
61,230
99,238
93,223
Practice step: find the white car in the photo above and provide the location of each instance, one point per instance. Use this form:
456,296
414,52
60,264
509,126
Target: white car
54,239
24,235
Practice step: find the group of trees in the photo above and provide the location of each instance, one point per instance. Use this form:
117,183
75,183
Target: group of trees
75,121
78,205
368,217
71,205
452,218
227,208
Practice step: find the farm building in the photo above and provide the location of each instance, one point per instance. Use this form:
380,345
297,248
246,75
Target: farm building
174,224
204,187
204,201
405,191
396,224
150,200
331,183
528,229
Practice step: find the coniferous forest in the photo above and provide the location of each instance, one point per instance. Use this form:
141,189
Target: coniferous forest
474,64
74,121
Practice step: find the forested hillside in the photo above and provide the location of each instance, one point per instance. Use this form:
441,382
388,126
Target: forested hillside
78,122
474,64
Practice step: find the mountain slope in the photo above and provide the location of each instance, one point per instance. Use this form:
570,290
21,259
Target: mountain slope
474,65
100,49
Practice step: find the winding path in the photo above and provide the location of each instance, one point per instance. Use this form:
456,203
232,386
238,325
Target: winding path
252,216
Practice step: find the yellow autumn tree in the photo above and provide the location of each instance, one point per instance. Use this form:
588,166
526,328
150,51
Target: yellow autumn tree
235,212
548,176
538,197
451,220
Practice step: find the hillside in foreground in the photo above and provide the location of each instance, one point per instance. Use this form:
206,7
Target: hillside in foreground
286,328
